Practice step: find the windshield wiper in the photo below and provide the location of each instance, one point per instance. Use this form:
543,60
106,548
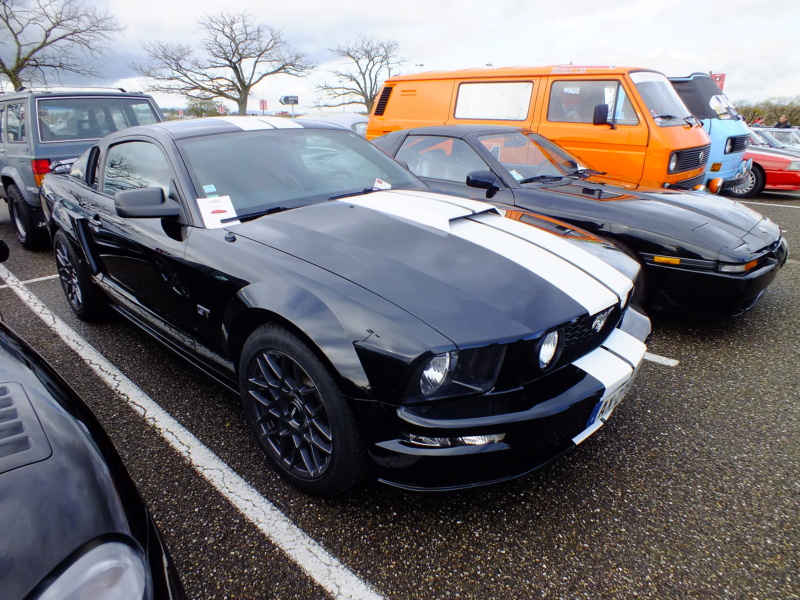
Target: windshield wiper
687,120
586,173
258,213
355,193
541,178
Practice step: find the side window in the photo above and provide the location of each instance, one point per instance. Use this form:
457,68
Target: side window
440,158
135,165
15,123
573,101
504,101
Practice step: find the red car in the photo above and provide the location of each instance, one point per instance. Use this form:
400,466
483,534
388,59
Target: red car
773,169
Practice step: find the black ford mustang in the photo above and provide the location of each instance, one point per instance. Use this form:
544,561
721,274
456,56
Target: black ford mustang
701,254
72,524
368,323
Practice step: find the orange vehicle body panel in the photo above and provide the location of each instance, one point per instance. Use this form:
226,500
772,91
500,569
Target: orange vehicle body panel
630,155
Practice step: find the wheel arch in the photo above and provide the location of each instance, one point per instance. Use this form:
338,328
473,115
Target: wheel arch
307,316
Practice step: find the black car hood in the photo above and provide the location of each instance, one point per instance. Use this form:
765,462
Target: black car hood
56,490
441,257
730,223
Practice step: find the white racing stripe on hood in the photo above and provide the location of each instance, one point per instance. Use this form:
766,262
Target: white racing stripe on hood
567,250
446,213
425,208
579,285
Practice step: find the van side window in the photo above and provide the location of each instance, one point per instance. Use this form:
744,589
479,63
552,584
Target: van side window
573,101
15,123
505,101
440,158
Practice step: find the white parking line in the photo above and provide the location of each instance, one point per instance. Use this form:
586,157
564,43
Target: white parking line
768,204
661,360
322,567
2,287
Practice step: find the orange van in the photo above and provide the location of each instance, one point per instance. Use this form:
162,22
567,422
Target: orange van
627,122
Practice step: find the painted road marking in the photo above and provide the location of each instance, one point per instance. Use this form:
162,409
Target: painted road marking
322,567
661,360
2,287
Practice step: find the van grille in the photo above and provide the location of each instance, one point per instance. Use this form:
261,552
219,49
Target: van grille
692,158
739,143
380,105
689,184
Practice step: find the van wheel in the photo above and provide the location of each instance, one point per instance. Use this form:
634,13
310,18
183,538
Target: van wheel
752,186
298,414
23,220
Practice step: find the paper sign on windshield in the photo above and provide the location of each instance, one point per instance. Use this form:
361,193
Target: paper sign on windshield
216,209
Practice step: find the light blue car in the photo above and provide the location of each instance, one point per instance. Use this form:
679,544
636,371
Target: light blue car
727,130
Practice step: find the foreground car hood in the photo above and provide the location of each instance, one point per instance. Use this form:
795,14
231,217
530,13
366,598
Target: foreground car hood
441,257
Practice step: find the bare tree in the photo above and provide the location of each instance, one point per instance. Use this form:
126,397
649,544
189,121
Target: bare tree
359,83
50,37
237,55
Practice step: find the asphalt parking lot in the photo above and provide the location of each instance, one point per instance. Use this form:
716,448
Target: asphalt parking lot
691,491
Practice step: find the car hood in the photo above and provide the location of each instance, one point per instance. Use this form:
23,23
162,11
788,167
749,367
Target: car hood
56,490
684,212
455,264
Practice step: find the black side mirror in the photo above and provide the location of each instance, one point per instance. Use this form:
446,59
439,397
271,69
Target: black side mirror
3,251
141,203
484,180
600,115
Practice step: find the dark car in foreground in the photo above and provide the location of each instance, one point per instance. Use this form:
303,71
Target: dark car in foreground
72,524
701,254
369,325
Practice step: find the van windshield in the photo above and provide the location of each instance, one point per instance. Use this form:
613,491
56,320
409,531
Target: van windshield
661,99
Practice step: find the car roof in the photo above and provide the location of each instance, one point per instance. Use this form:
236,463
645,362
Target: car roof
186,128
463,129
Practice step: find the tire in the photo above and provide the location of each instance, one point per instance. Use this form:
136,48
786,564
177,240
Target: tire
84,297
753,185
298,414
23,220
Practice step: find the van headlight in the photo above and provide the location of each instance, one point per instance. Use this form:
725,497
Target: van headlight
673,162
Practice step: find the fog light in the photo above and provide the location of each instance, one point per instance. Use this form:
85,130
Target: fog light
470,440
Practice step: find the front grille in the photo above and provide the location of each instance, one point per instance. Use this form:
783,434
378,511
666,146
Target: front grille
580,337
692,158
689,184
739,143
380,105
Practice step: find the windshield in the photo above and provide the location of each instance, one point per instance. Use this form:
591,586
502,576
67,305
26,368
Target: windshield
788,137
285,168
530,158
661,99
757,139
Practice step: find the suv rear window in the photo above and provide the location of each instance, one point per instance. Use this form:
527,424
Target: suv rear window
84,118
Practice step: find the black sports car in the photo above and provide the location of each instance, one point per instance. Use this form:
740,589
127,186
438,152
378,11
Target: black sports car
701,254
366,322
72,524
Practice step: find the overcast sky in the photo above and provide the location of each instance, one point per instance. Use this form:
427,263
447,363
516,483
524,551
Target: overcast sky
754,43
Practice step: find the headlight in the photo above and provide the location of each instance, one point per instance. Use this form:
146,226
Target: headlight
112,571
793,166
673,162
548,349
738,268
436,371
729,146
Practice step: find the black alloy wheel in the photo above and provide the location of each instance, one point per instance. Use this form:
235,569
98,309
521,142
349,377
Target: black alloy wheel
298,414
84,297
23,220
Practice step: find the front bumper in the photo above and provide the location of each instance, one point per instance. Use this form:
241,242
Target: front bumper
711,293
537,422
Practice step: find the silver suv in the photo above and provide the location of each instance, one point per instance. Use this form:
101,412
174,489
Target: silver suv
41,127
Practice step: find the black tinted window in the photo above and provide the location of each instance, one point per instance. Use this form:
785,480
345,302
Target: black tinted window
135,165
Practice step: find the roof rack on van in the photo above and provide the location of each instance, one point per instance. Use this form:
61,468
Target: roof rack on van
71,89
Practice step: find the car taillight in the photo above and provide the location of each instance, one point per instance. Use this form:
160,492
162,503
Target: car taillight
41,167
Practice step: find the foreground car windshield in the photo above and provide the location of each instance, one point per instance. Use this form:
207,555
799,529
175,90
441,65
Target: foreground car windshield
270,170
529,158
